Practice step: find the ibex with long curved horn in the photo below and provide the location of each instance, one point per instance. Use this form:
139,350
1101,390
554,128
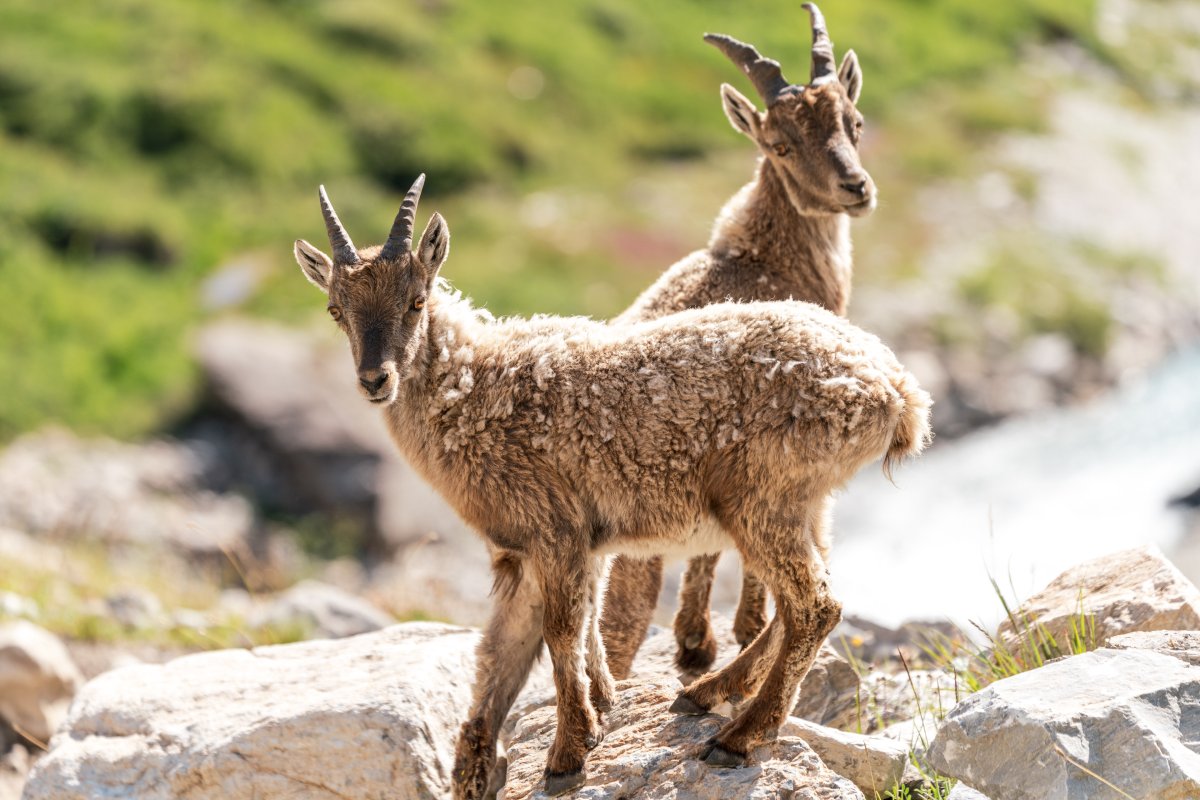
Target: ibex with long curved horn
784,235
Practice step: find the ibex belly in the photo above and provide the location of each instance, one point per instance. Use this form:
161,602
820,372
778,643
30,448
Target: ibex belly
694,540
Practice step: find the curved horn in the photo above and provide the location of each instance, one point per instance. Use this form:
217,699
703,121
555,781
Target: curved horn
822,48
399,241
764,73
339,240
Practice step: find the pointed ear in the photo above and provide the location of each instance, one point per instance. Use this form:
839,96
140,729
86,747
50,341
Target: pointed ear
434,246
741,111
850,74
317,266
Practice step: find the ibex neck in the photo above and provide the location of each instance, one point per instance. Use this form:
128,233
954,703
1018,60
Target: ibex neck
441,370
762,227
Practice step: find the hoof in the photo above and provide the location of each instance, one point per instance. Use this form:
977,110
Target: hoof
685,705
718,756
602,703
562,782
593,740
696,654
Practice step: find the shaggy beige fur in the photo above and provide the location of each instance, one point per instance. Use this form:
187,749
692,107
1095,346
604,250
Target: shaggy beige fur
563,440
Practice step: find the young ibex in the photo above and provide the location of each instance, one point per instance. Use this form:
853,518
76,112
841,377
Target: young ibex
785,235
563,440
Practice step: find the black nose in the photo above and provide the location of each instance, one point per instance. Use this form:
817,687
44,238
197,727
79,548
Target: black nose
856,187
372,383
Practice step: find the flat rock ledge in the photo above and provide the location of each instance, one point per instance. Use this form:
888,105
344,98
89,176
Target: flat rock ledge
368,717
648,752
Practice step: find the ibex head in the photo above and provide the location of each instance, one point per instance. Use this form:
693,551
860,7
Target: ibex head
377,295
809,132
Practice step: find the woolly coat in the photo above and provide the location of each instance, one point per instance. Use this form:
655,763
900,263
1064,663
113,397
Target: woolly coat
638,434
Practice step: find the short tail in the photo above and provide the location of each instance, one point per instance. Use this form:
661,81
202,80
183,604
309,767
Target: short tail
913,432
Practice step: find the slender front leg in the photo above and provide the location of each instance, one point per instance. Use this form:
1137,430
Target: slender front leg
511,643
697,647
566,583
751,615
629,601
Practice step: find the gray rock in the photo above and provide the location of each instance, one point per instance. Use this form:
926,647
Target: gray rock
117,492
1184,645
321,611
873,763
285,414
136,608
1131,717
963,792
830,693
648,752
1132,590
37,679
371,716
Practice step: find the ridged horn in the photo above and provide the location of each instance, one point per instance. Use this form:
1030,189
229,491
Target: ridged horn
399,241
339,240
764,73
823,66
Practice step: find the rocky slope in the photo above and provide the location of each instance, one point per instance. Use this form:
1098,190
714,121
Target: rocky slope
376,714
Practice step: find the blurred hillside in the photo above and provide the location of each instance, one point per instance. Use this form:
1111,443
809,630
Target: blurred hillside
156,160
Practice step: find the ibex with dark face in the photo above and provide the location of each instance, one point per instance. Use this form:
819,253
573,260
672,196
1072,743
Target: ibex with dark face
565,440
785,235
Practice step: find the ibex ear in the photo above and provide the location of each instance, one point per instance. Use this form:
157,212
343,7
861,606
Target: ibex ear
851,75
434,246
741,111
316,266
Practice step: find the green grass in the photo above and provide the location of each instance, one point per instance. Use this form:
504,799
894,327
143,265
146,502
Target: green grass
143,145
974,666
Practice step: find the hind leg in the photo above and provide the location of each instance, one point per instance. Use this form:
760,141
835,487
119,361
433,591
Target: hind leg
751,615
629,602
735,681
789,558
697,647
601,689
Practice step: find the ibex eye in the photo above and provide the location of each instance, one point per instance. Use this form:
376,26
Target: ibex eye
335,312
781,149
418,304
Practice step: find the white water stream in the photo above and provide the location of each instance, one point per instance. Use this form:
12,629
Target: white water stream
1021,502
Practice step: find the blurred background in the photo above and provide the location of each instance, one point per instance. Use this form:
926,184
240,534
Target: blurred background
181,439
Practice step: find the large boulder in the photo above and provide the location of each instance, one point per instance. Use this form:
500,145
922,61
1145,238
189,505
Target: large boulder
372,716
283,410
37,680
1130,718
1132,590
649,752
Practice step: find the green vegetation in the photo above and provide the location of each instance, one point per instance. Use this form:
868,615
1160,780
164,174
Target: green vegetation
144,145
70,590
1030,646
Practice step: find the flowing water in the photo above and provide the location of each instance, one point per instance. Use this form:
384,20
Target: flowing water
1022,501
